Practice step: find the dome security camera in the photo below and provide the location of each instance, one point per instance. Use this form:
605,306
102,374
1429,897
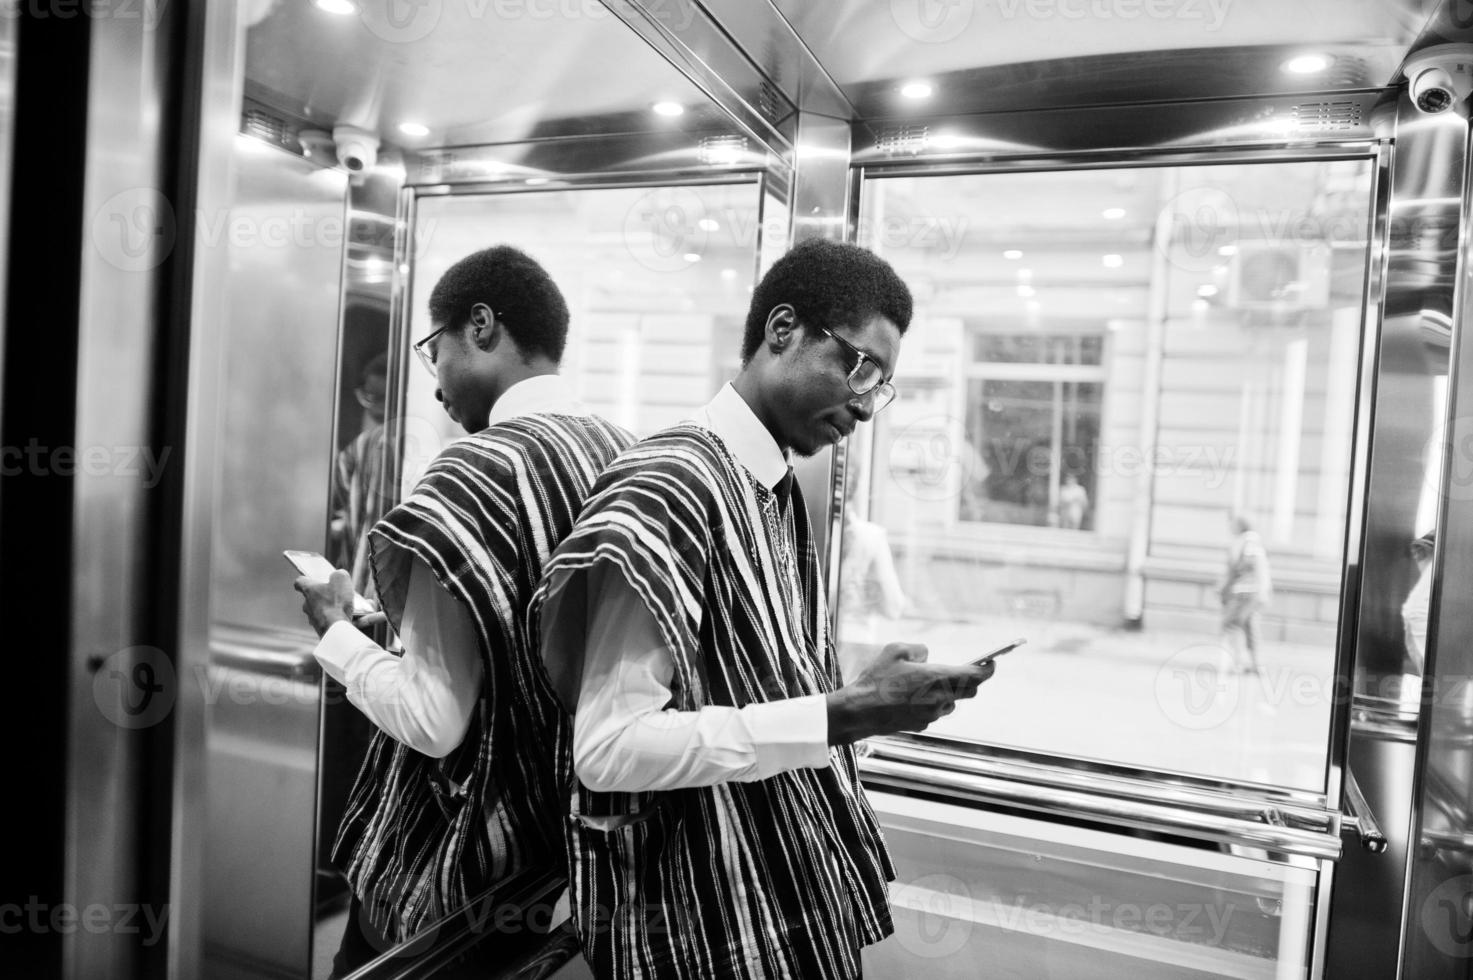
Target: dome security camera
357,148
1440,78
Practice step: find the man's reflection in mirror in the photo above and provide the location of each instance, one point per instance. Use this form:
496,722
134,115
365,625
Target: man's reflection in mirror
1414,610
358,480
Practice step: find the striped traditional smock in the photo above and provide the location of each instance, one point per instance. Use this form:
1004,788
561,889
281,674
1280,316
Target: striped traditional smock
778,877
422,836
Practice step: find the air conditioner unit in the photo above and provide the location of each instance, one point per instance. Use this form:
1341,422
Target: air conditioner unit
1278,276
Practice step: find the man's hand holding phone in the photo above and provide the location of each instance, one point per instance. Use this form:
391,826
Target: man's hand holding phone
900,692
327,594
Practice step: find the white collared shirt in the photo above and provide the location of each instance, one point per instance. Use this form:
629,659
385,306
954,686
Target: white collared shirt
425,698
625,739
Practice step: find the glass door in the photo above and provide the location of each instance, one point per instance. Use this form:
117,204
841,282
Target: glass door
1127,433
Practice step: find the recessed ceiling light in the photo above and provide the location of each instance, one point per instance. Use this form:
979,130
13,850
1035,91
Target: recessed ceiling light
668,108
1307,64
691,257
708,224
1228,250
337,6
1207,290
1112,261
917,90
414,129
1025,290
1113,214
1012,253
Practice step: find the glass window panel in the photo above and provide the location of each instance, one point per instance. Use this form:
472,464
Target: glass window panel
1128,439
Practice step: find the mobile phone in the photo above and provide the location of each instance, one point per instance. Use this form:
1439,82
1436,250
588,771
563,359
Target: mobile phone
998,652
314,565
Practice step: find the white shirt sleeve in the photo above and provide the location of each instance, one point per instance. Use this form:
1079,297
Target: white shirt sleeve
424,699
627,739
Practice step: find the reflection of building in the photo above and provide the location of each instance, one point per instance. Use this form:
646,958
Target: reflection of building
1182,343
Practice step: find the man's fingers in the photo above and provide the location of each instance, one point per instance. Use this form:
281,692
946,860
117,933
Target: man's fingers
371,619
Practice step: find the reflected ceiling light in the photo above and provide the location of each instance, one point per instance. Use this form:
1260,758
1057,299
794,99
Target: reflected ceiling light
1113,214
728,273
1307,64
917,90
414,129
1012,253
1025,290
668,108
1228,250
708,224
1207,290
946,141
1112,261
1199,306
337,6
691,257
1025,275
535,181
1032,306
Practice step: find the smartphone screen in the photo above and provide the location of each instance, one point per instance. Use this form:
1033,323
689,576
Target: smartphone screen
1005,648
314,565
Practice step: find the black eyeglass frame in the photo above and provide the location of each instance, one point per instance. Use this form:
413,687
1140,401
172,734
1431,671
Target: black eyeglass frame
884,390
428,359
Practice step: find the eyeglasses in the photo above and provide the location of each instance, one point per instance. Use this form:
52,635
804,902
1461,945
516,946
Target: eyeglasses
427,356
866,375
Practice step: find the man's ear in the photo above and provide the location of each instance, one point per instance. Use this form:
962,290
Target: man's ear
486,330
782,324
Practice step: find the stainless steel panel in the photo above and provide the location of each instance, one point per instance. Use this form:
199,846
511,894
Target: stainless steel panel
286,233
494,71
111,856
1437,920
217,70
1035,54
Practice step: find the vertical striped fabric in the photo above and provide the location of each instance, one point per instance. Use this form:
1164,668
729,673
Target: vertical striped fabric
783,877
421,836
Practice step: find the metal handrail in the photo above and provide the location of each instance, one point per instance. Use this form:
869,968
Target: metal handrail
1216,827
1359,817
961,759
